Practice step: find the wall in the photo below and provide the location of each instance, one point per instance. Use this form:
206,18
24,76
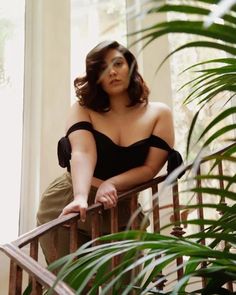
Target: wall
47,99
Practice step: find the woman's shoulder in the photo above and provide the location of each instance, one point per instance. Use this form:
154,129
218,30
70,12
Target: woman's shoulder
163,126
77,113
159,108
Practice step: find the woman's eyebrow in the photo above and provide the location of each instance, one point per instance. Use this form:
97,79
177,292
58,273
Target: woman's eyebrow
117,58
109,64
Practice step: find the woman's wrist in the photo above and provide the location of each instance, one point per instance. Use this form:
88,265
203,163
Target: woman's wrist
78,196
111,181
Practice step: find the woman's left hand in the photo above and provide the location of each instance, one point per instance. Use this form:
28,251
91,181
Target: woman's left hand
107,195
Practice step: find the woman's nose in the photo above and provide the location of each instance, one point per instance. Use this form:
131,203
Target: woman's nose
112,71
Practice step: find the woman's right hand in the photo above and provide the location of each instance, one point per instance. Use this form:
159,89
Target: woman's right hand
77,205
107,194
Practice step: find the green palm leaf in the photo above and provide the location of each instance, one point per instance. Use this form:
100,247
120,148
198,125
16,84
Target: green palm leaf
218,119
164,249
224,33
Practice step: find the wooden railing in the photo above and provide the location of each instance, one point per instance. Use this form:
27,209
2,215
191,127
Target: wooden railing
42,279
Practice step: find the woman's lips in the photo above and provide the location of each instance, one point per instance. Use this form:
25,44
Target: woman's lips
115,81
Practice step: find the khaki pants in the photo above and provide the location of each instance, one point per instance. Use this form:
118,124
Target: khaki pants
54,199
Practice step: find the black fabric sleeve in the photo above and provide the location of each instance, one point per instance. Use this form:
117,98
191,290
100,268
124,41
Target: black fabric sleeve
64,152
160,143
78,126
64,147
174,161
174,157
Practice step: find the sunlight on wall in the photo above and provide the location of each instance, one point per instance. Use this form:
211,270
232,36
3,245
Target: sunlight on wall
11,111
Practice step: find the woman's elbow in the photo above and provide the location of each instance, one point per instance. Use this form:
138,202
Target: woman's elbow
150,172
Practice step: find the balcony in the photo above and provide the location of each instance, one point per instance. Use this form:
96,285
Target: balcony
24,252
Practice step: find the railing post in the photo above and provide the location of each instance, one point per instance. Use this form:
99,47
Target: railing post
96,232
156,228
73,235
114,220
221,182
133,208
222,202
96,226
54,241
199,201
114,229
34,249
36,287
156,209
177,230
201,216
15,284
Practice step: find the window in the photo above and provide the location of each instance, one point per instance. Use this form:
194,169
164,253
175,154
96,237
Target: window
11,110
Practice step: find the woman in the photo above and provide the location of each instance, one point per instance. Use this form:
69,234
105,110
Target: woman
115,140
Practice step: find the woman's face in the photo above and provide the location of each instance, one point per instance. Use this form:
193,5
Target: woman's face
114,77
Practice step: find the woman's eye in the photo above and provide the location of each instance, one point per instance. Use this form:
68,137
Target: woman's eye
118,63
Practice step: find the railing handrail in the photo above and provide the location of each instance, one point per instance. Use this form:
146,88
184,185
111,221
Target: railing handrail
35,269
42,229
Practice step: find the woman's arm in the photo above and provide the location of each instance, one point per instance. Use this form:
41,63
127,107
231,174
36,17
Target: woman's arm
155,161
83,161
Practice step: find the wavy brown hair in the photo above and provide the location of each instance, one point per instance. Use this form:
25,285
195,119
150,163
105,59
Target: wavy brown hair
88,89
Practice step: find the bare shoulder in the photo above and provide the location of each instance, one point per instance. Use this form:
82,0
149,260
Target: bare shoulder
163,122
76,114
160,109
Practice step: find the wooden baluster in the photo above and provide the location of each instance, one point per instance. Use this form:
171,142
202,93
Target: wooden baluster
230,287
220,170
221,183
73,236
34,249
15,284
223,202
96,226
133,208
54,241
36,287
114,229
200,213
199,201
134,226
156,209
156,228
177,230
114,220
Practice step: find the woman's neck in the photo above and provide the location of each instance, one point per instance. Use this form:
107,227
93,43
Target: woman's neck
118,103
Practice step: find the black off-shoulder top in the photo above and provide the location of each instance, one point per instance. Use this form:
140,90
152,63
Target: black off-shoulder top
113,159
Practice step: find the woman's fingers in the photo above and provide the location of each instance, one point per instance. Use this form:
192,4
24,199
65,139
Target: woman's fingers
73,207
112,199
83,214
107,194
107,200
